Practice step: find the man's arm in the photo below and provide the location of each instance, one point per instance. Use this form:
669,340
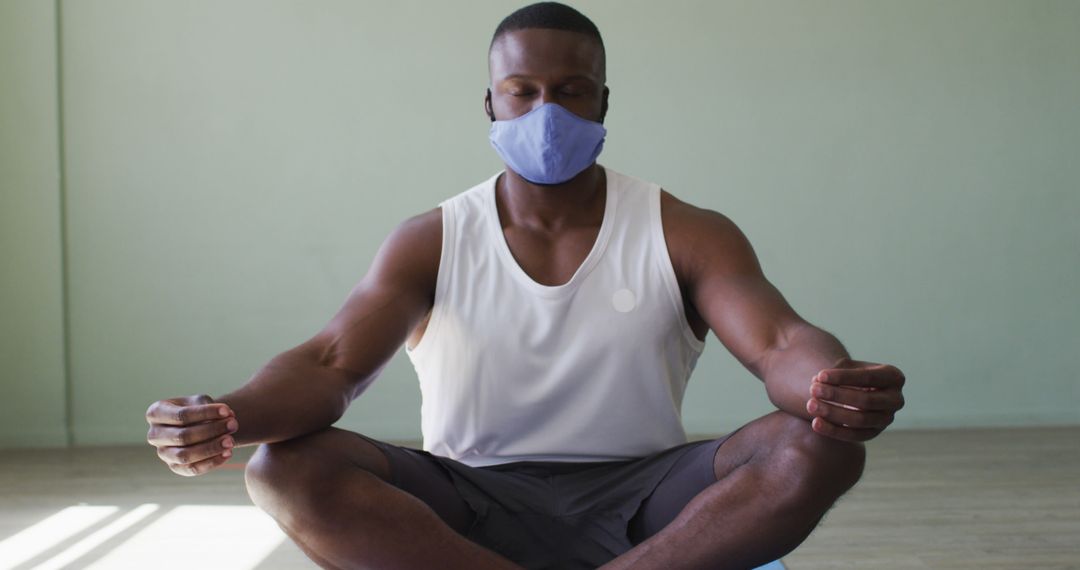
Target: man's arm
724,281
309,387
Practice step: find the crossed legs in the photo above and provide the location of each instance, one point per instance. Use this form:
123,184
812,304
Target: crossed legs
775,480
330,492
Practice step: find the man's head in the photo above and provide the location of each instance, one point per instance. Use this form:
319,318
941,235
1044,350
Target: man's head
546,52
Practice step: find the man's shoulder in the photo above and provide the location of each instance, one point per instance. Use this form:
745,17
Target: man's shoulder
423,232
673,209
682,219
699,238
421,227
416,242
686,226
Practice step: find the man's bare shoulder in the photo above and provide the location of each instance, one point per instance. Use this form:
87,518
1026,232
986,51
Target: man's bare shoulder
683,215
700,238
410,253
423,231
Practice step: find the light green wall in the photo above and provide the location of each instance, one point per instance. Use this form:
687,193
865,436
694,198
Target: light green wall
906,171
32,397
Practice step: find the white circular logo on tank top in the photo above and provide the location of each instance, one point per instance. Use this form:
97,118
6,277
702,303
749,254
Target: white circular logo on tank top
624,300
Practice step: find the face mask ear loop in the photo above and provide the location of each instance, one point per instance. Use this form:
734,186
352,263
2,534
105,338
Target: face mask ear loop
603,105
487,106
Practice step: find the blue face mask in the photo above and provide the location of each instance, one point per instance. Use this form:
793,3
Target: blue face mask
548,145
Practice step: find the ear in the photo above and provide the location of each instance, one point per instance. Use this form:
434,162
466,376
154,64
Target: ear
604,104
487,106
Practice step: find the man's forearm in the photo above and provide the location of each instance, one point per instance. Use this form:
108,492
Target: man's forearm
790,368
290,396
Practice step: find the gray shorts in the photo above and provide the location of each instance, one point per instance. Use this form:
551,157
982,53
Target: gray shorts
557,515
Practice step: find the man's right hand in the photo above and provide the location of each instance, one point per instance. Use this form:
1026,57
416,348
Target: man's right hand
192,434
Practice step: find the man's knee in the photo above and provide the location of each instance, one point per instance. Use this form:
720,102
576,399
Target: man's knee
816,467
298,478
277,472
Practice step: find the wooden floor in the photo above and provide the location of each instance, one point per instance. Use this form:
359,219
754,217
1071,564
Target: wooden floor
972,499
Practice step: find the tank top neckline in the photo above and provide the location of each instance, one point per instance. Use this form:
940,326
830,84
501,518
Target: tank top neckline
593,257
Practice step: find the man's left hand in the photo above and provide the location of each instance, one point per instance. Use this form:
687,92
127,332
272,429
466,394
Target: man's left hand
855,400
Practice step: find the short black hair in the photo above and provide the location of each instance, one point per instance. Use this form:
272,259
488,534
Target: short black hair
548,16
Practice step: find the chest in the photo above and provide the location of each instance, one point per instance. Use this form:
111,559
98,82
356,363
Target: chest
550,259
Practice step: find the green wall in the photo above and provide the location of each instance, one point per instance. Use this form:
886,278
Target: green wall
906,170
32,395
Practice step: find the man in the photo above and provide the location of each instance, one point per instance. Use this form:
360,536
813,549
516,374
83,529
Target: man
554,314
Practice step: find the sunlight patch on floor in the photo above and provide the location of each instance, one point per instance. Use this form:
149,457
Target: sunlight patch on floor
38,538
209,536
97,538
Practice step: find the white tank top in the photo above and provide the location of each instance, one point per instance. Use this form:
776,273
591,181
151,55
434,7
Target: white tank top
590,370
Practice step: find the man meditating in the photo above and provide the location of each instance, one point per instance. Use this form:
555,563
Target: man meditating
553,313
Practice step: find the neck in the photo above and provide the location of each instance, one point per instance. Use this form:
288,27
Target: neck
578,201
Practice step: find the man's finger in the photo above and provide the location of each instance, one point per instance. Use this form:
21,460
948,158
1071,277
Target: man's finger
843,433
192,454
883,376
163,435
850,418
885,400
171,413
201,467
